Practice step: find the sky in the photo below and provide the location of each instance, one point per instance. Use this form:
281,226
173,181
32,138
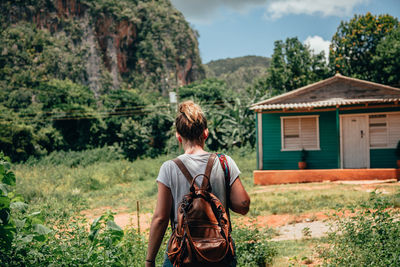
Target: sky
234,28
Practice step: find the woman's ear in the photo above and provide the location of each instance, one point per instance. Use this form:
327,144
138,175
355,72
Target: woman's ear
205,134
178,136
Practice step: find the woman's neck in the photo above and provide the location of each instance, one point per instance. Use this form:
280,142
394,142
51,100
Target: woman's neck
194,149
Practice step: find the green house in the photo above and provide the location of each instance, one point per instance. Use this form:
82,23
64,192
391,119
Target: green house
341,122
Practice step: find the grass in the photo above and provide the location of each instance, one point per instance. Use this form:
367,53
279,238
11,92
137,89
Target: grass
112,183
296,252
119,184
58,187
284,199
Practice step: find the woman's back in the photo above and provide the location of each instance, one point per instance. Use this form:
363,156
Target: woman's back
171,176
191,132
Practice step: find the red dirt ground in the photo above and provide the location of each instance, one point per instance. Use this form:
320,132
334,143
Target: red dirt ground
124,218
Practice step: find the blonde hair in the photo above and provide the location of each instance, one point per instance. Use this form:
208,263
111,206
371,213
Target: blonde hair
190,122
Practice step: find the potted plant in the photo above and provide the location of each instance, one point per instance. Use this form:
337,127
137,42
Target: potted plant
397,152
303,158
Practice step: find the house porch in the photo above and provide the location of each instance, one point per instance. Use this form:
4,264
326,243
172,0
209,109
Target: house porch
270,177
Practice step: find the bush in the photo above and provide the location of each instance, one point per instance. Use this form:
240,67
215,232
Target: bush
78,158
17,141
252,247
19,230
370,237
134,138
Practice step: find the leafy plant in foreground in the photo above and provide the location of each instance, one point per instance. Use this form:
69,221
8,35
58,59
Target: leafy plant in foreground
252,247
370,237
18,229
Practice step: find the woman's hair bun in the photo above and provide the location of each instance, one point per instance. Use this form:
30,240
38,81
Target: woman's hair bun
191,111
191,122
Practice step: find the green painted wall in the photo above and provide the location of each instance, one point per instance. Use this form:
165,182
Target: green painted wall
275,159
327,157
383,158
257,138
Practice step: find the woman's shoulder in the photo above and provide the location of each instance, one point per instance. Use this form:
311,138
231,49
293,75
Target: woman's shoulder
228,158
167,164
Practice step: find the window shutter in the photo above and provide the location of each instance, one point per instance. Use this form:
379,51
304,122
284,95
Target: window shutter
394,129
291,133
309,135
378,131
299,133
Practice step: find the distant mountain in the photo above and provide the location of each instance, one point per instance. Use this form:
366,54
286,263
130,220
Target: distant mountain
238,73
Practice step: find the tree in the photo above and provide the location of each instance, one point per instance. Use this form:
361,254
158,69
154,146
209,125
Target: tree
205,91
387,59
293,65
355,43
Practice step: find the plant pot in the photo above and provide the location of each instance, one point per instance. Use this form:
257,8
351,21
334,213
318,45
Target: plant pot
398,163
302,165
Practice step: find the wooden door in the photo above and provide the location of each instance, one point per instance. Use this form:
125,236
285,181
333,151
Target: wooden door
355,142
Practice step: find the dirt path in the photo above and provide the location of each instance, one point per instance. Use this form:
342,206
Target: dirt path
302,230
122,218
288,226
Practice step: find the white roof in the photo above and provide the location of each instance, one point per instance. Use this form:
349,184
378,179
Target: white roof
335,91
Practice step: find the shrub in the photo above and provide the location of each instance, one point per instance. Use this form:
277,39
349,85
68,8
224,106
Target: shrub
370,237
134,139
252,247
78,158
19,230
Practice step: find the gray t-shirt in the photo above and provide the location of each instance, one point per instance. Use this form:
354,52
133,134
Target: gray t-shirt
172,177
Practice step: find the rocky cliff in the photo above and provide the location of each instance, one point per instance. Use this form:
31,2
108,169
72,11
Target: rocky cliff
126,43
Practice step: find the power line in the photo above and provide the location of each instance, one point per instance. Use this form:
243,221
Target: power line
130,111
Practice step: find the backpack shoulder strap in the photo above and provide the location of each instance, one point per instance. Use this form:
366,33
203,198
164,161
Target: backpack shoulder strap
209,167
224,164
183,169
188,177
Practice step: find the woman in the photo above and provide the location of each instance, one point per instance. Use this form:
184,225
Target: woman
191,132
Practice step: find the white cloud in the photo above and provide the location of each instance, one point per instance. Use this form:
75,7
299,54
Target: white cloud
318,44
278,9
206,11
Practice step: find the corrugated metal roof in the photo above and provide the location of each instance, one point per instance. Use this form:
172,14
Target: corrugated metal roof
328,103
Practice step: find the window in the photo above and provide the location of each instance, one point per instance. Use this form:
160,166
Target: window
384,130
300,132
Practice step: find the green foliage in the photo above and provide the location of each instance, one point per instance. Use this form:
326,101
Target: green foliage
292,66
18,229
105,235
387,59
30,56
77,158
230,122
206,91
252,247
229,65
238,73
367,238
354,48
134,141
122,103
17,140
230,125
159,126
61,94
59,88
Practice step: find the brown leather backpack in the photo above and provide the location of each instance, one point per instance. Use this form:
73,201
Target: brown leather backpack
202,235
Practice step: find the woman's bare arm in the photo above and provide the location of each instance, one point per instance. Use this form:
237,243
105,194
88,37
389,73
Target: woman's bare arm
239,199
159,223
